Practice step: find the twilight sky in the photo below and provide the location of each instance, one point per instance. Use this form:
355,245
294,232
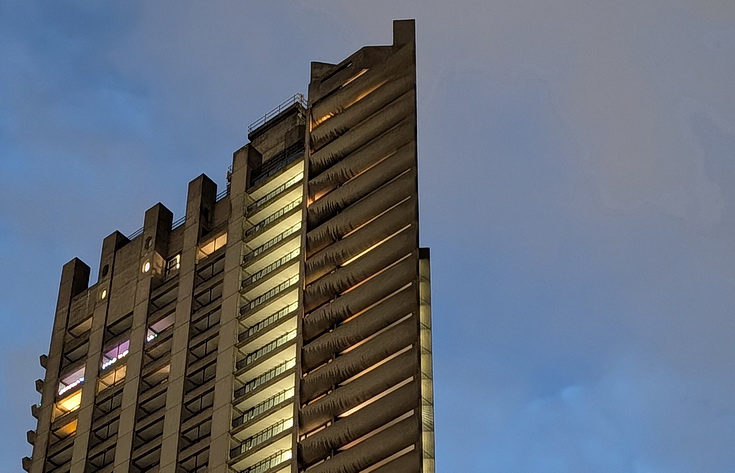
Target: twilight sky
577,175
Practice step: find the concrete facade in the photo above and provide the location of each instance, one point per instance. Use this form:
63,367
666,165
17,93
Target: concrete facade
283,325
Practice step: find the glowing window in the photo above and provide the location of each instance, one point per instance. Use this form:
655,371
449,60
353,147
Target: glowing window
173,264
146,266
159,327
103,294
66,430
212,245
71,380
70,403
118,352
111,378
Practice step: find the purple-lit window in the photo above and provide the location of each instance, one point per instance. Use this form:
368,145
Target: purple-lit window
116,353
71,380
159,327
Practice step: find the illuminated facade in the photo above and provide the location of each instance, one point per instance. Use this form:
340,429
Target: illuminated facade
282,325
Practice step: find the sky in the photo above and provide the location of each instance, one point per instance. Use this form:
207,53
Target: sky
577,180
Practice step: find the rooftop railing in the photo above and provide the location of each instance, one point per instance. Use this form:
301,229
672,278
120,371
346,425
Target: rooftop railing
295,98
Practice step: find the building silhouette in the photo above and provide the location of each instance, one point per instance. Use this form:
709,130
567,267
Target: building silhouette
282,325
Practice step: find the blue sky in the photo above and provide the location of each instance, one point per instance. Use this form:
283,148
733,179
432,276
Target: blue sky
577,175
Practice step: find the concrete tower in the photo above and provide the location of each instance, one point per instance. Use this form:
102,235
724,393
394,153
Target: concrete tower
282,325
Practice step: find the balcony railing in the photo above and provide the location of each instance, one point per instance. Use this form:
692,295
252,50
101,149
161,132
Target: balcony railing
265,323
263,201
262,299
264,350
264,378
271,243
277,164
270,462
262,437
264,406
270,268
273,217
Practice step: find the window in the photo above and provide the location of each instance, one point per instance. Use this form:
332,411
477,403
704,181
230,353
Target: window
68,404
173,264
212,245
111,378
159,327
116,353
71,380
66,430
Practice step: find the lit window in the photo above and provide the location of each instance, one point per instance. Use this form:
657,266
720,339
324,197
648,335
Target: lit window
173,264
66,430
103,294
71,380
146,266
111,378
112,356
212,245
70,403
159,327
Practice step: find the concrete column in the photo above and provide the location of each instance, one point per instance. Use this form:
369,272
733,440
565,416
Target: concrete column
110,245
199,204
228,331
154,249
74,280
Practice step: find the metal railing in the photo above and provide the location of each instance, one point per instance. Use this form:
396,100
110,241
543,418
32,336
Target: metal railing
276,164
178,223
222,194
261,437
270,462
264,406
270,195
254,356
295,98
272,242
135,234
270,294
267,322
270,268
273,217
264,378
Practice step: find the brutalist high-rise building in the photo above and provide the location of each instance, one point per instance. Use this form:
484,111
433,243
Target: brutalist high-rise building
282,325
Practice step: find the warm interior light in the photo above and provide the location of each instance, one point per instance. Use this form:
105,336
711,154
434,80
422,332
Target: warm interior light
66,430
103,294
114,377
146,266
70,403
212,245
